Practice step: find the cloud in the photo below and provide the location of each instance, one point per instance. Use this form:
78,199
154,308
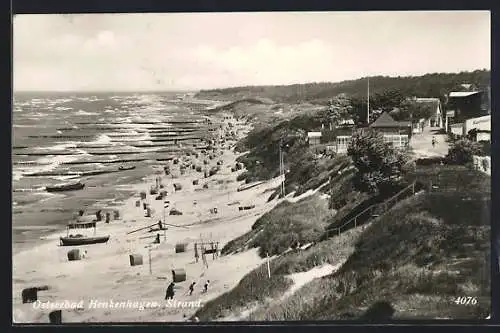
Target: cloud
191,51
265,60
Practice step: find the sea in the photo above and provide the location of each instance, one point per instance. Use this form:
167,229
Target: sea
65,137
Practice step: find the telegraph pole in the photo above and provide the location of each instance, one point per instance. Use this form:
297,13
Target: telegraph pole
282,186
165,205
368,104
283,172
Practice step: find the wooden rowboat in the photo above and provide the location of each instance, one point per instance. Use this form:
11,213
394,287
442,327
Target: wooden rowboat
75,240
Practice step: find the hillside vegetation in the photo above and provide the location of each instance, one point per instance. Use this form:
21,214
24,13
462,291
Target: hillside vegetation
416,258
287,225
429,85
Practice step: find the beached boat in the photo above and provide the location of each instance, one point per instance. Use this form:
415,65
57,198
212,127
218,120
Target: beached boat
82,240
123,168
79,239
65,187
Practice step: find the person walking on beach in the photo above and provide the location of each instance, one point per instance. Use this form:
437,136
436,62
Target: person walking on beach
191,288
170,291
433,142
205,287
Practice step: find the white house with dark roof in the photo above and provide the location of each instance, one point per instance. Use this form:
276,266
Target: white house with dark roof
314,138
436,120
396,133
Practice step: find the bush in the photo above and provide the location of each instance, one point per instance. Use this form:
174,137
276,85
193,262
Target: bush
430,161
462,151
485,148
379,165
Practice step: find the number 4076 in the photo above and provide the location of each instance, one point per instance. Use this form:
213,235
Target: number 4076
466,300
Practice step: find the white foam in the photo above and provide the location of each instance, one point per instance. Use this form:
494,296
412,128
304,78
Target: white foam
103,138
85,113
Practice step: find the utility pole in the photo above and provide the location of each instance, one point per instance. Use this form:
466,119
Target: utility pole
368,104
165,206
150,267
281,168
268,267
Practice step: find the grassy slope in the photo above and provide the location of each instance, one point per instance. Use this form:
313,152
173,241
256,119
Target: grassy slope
424,252
418,256
257,289
285,225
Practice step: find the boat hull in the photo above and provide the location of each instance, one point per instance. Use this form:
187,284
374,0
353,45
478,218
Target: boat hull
126,168
74,241
62,188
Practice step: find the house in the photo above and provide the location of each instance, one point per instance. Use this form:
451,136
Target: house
397,133
449,119
417,127
478,128
436,120
466,104
314,138
343,139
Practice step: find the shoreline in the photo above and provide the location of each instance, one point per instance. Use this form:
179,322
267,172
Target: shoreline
105,274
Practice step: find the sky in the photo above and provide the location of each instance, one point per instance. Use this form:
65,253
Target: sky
191,51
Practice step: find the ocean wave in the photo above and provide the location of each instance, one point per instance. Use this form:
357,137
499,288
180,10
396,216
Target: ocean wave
65,178
103,138
61,146
31,163
62,108
86,113
44,164
33,189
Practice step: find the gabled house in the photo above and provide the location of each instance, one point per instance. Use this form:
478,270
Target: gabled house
436,119
397,133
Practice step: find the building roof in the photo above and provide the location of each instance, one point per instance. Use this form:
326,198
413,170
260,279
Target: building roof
385,120
313,134
432,101
463,93
346,122
426,99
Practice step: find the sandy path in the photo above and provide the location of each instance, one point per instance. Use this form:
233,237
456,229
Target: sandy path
302,278
422,143
299,280
106,275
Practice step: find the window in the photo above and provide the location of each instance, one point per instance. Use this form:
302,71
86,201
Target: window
396,140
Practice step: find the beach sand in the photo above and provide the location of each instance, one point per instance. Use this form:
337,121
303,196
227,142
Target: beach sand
105,274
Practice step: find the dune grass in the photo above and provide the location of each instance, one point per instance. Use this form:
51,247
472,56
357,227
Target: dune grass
256,289
418,257
285,226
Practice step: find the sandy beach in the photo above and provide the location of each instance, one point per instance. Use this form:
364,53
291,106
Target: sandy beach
91,289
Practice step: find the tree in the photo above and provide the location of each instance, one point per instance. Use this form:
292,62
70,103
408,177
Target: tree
413,110
462,152
339,108
379,166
